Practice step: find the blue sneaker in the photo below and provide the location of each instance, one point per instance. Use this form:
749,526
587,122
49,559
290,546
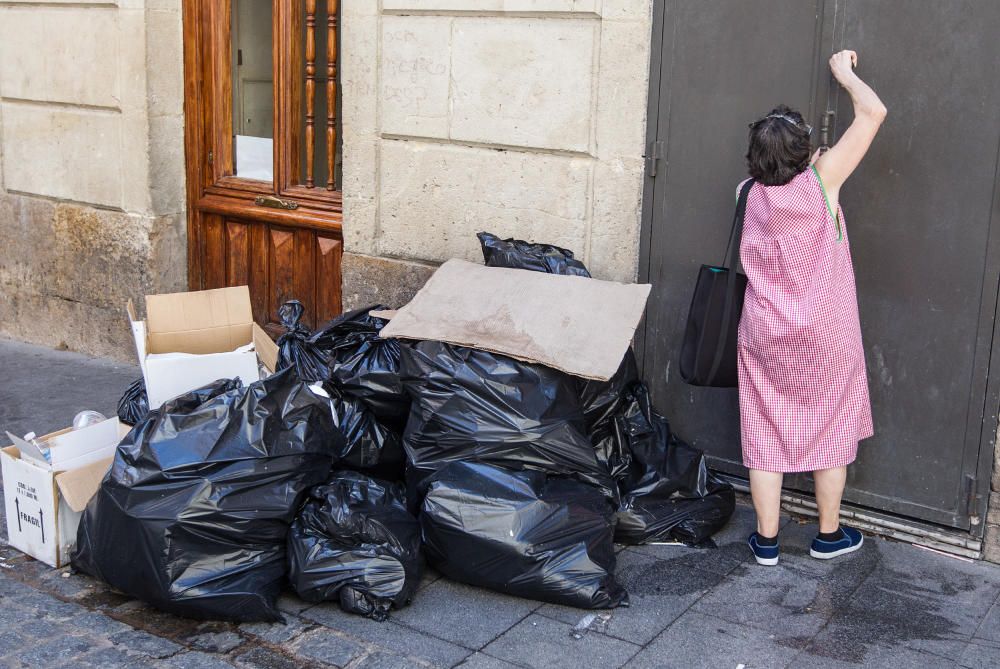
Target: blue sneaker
765,555
848,543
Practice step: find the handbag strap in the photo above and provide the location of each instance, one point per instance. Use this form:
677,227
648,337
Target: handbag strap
732,263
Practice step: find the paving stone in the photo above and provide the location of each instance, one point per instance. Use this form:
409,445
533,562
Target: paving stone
924,602
327,646
195,660
381,660
545,643
277,632
289,602
54,650
792,600
989,627
106,658
876,656
98,624
454,611
11,640
696,640
429,576
980,656
390,636
145,643
659,591
268,658
217,642
484,661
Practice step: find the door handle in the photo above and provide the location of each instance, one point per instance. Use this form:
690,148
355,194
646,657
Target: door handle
824,130
275,202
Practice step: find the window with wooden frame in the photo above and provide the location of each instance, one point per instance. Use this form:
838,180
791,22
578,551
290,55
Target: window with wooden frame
263,151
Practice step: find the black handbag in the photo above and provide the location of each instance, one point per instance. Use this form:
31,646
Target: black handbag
708,353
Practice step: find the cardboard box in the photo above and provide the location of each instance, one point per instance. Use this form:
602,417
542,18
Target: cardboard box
191,339
44,501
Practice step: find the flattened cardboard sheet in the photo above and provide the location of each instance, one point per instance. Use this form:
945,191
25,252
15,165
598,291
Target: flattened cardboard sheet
574,324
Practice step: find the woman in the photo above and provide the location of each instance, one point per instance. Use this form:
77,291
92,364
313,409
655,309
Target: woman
803,388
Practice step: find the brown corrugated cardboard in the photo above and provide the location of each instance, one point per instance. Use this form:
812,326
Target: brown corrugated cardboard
578,325
208,327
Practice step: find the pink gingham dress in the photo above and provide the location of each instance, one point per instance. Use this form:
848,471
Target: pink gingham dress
804,401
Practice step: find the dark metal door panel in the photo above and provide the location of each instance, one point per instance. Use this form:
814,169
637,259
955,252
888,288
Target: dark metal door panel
918,212
724,63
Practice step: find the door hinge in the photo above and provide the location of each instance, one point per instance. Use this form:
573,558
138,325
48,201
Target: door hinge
211,158
971,498
655,153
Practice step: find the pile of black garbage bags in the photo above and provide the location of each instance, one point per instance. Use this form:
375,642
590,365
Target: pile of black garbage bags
362,457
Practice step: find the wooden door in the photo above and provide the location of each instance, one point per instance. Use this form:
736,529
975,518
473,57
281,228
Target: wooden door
262,150
923,212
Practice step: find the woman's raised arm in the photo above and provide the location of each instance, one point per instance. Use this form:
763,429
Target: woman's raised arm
835,165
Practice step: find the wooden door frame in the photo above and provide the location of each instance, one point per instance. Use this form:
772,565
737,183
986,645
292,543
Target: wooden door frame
208,127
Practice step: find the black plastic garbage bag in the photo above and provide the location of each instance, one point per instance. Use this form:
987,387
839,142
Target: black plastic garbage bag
370,446
476,406
363,364
519,254
134,404
669,495
294,347
603,402
354,542
194,514
522,533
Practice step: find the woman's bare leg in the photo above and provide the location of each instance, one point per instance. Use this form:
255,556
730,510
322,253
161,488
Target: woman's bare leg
765,488
829,491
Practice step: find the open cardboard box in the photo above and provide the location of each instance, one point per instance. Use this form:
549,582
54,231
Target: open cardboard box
44,501
191,339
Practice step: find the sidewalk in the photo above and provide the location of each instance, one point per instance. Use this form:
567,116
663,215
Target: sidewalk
889,605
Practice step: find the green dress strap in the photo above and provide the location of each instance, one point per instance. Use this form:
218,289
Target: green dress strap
834,215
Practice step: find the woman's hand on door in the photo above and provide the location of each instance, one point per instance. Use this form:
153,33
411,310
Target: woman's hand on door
837,164
842,65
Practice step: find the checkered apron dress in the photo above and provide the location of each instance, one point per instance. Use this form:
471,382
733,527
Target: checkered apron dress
804,401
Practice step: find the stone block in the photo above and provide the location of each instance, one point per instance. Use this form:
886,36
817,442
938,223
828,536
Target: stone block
359,75
617,214
164,62
523,81
539,6
993,512
60,152
995,482
435,198
622,89
168,254
60,54
368,280
67,271
167,178
416,72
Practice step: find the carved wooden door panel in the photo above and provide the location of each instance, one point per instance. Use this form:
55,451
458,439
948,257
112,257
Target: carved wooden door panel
262,152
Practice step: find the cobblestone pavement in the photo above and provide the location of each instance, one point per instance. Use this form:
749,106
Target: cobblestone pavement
889,605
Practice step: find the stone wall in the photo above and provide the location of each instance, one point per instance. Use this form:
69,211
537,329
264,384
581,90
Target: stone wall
91,167
525,118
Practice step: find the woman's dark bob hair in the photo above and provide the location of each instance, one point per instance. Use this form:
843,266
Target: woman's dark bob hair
779,150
